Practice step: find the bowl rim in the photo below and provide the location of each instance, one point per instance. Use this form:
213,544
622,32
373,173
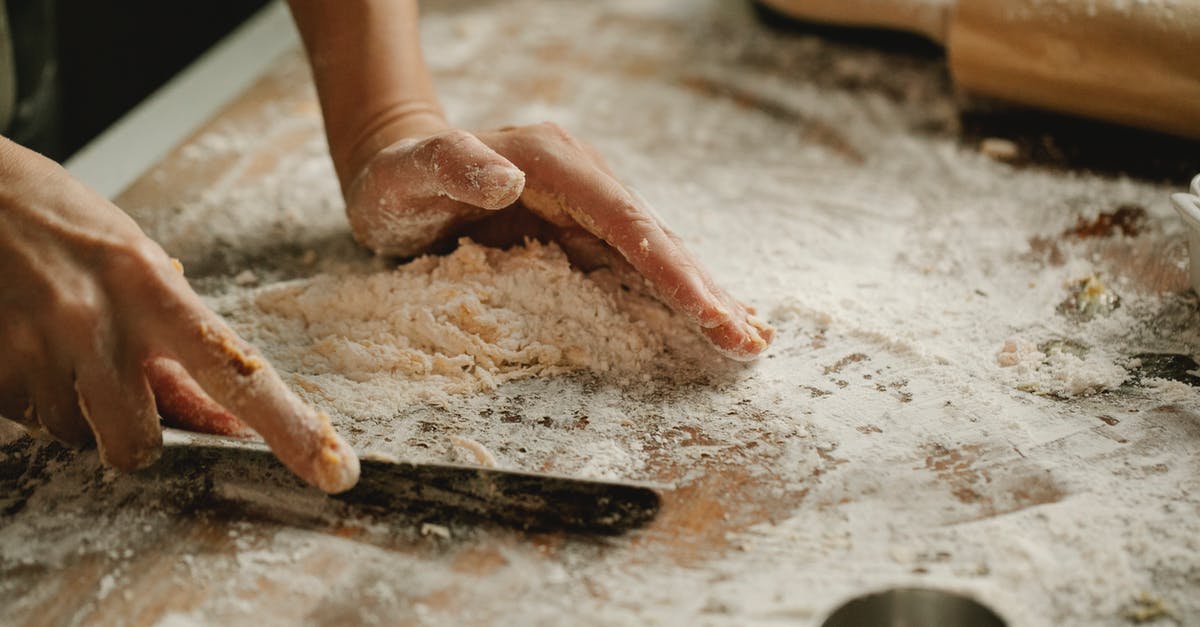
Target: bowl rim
845,608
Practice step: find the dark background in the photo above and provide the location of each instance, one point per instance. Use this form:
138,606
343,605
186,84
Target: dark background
81,64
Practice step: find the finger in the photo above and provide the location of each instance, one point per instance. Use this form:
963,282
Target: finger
22,347
716,290
57,406
465,169
744,336
118,406
236,376
183,404
417,193
740,339
14,401
603,207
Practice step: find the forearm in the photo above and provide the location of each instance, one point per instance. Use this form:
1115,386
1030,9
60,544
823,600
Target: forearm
18,162
38,199
370,75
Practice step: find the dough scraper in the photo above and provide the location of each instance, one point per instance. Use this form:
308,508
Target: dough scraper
437,491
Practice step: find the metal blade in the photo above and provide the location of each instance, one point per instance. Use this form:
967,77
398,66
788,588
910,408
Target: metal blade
524,500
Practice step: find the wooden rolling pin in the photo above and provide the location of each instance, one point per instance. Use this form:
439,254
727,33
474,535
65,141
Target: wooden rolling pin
1134,62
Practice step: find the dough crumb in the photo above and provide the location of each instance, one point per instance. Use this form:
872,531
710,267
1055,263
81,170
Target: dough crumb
999,149
1017,351
483,456
246,278
430,529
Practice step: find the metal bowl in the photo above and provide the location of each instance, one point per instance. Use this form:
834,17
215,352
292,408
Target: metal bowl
913,607
1188,206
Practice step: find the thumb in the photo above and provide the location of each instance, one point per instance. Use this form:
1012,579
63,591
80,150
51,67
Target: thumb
467,170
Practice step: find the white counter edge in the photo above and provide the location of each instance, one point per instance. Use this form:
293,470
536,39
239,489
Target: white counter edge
125,150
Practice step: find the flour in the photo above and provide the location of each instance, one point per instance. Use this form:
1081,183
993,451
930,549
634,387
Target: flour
1062,372
879,442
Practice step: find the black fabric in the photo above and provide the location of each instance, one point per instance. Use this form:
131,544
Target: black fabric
81,64
35,121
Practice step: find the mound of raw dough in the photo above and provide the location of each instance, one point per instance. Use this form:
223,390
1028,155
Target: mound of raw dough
441,325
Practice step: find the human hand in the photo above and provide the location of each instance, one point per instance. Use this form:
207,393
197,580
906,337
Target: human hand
99,325
426,188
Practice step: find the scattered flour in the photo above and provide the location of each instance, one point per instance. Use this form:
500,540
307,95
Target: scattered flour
1059,372
880,442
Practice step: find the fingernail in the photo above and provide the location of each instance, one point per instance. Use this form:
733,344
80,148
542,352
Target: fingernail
764,330
753,341
336,466
146,457
756,322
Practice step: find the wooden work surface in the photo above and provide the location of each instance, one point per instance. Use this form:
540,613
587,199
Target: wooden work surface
784,523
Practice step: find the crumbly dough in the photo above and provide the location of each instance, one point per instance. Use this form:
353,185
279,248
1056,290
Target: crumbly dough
459,323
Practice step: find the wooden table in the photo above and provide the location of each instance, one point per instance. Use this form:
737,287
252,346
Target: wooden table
742,539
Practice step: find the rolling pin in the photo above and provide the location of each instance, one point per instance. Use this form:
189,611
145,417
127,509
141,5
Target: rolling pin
1133,62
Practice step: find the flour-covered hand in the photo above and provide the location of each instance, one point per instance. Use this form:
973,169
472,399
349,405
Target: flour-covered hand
410,180
102,333
420,191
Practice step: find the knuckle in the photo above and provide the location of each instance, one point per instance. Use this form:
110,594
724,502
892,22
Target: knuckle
445,141
137,258
140,273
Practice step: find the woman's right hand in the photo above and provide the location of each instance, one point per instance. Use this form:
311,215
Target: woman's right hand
99,326
433,185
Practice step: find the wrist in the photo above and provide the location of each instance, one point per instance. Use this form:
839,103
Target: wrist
402,120
19,162
24,172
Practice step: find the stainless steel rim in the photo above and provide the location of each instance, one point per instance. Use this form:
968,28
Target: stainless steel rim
913,607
